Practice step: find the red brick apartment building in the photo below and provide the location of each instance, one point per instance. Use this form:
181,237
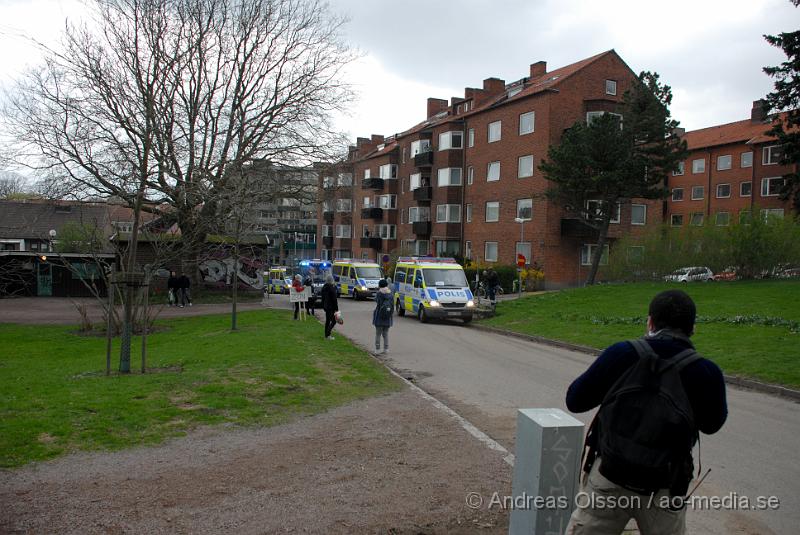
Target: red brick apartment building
731,171
459,182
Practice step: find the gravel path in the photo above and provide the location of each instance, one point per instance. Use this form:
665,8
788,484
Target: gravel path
392,464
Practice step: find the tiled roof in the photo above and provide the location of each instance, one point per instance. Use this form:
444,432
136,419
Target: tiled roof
35,219
739,132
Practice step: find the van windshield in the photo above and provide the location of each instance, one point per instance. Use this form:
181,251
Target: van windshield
445,277
368,272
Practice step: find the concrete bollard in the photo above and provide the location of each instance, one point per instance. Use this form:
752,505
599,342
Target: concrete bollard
546,471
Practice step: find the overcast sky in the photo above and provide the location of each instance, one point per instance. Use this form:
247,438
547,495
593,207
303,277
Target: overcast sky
710,51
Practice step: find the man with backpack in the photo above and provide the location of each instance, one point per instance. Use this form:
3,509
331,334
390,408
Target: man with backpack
382,316
655,394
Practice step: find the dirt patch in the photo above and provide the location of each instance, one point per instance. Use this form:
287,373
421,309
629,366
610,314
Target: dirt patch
392,464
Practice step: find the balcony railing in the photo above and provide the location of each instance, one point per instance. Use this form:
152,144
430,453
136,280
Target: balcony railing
371,213
372,183
370,243
423,194
422,228
424,159
327,216
327,241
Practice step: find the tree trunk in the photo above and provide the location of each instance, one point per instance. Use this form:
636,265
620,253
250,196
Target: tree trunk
598,252
235,282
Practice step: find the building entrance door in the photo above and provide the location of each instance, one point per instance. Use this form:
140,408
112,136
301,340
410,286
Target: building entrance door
44,280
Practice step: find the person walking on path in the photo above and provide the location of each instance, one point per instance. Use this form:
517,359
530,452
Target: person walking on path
382,316
655,395
309,283
185,293
173,288
330,304
297,286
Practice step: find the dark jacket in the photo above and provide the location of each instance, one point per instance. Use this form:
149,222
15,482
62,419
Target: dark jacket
702,381
173,283
184,282
384,295
328,294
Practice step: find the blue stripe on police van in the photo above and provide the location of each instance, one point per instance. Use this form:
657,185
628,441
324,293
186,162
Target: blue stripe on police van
432,293
469,294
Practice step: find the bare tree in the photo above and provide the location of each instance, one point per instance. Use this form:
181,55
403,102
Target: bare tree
156,101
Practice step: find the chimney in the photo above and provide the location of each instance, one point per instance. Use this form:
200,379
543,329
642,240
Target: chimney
435,105
759,112
538,69
377,139
494,86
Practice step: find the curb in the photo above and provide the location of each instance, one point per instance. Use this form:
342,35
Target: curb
733,380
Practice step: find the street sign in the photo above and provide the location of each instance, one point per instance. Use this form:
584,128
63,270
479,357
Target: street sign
521,260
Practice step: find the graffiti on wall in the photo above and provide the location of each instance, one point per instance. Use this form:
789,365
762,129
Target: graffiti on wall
220,272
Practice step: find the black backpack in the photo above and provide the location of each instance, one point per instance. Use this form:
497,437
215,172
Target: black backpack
646,425
385,309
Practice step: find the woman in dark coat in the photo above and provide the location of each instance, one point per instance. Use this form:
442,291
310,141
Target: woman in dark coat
382,315
330,304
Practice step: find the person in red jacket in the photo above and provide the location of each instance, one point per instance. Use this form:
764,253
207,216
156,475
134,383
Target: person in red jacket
297,286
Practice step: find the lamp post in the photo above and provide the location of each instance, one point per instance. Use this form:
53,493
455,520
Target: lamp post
521,222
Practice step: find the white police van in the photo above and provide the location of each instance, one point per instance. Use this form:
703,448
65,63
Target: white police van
432,287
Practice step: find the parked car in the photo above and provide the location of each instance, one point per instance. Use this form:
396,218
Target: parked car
728,274
689,274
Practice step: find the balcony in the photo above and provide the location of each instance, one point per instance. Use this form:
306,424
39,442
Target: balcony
575,228
327,241
371,213
424,159
370,243
372,183
344,243
327,216
423,194
422,228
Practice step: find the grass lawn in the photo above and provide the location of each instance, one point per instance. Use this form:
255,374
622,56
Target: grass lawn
750,329
55,398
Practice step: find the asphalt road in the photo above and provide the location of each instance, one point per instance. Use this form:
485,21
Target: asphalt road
487,377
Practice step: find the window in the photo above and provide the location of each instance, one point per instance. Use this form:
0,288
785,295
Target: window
697,219
448,213
366,173
418,214
387,202
772,155
524,248
494,131
367,202
744,217
365,231
676,220
587,252
490,251
327,182
471,137
327,206
525,166
447,247
611,87
592,115
492,211
450,176
526,123
681,169
747,159
638,214
450,140
699,166
344,205
468,215
343,231
677,194
421,247
771,187
772,213
387,232
525,209
724,162
493,172
594,209
470,174
415,181
344,179
327,231
388,171
723,219
723,191
698,192
468,250
745,189
420,146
